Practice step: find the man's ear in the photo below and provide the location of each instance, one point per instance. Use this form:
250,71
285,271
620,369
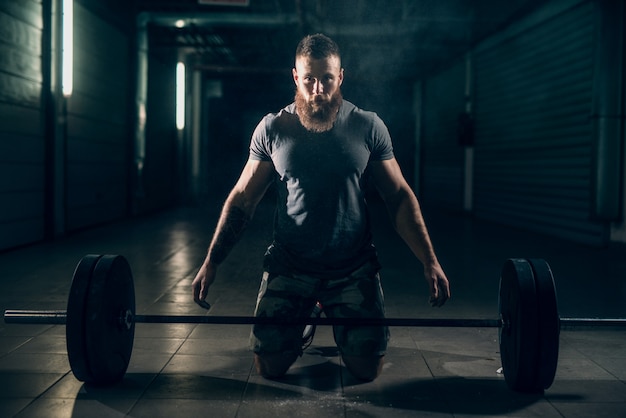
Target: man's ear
341,77
294,73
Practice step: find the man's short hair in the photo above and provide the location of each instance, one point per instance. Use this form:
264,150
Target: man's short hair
317,46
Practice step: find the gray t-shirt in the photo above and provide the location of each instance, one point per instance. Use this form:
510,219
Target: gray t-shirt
321,224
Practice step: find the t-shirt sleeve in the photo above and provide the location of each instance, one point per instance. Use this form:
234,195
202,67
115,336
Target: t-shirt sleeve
259,145
382,148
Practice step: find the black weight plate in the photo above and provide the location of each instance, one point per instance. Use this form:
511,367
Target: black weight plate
75,320
549,322
108,339
519,338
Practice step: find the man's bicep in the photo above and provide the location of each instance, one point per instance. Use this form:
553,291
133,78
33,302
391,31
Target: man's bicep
253,182
387,177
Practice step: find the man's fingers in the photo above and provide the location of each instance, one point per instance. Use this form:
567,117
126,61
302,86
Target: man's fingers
433,293
199,296
203,303
439,294
196,291
437,301
201,285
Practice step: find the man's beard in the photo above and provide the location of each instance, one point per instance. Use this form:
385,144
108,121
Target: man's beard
318,117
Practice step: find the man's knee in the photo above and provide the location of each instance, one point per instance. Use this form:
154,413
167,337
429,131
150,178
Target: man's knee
364,367
272,366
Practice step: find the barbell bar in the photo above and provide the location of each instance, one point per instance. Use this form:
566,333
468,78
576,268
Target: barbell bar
100,321
59,317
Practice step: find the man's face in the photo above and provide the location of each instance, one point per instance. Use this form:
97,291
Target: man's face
318,93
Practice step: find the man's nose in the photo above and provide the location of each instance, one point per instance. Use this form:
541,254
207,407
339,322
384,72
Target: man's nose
318,87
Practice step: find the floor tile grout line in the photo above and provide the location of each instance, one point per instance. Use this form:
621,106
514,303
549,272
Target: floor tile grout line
142,394
245,390
41,395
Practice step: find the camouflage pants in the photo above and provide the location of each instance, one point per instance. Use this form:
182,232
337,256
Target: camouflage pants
357,295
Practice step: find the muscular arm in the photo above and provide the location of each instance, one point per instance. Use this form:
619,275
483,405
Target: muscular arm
236,213
239,208
406,216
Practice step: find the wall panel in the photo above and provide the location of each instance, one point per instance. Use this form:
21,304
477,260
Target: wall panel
21,124
442,156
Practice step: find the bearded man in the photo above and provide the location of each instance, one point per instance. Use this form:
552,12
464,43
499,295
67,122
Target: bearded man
317,150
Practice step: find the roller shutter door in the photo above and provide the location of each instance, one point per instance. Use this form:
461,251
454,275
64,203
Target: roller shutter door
533,154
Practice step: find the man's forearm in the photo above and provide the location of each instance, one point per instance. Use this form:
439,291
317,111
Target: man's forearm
232,223
410,224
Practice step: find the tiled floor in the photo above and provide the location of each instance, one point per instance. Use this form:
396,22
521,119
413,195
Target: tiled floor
206,370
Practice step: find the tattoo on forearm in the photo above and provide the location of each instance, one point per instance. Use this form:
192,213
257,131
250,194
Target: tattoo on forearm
230,227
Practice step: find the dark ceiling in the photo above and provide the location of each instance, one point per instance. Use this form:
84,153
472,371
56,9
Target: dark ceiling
397,39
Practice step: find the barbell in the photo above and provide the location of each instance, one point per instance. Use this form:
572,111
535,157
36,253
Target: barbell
100,321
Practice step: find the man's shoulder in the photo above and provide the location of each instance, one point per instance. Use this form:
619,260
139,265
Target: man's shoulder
355,114
285,115
350,109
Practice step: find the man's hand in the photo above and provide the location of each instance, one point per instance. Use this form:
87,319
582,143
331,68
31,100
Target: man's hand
200,285
438,284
